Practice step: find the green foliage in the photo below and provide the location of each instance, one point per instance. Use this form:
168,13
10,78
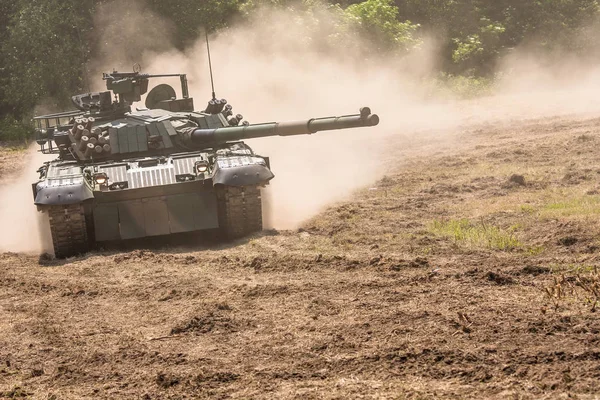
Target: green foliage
43,53
12,130
479,48
587,205
473,33
191,17
377,20
45,45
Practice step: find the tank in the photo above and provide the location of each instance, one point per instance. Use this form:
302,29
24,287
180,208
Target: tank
163,169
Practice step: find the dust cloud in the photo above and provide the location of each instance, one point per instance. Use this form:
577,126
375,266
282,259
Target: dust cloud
24,229
269,71
276,68
535,85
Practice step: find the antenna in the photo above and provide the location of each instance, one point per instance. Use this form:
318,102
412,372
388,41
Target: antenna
212,82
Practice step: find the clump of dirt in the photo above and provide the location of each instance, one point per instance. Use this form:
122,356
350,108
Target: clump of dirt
213,379
46,259
535,270
205,381
567,241
216,320
517,179
166,381
418,262
499,279
137,255
256,263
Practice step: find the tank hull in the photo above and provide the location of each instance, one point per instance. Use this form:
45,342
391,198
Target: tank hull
152,197
155,211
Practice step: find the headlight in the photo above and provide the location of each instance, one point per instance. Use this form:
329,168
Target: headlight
201,167
101,178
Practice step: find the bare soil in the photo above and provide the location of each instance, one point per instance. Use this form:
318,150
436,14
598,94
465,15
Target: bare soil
385,295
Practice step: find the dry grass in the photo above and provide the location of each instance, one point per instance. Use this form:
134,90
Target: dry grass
581,288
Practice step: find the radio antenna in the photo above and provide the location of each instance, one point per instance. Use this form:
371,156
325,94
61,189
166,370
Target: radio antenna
212,82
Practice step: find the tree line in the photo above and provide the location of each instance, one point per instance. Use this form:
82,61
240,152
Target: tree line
45,45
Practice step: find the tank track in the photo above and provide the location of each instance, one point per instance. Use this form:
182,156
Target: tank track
240,210
69,231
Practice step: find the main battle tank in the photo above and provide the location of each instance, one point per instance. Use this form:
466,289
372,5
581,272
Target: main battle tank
164,169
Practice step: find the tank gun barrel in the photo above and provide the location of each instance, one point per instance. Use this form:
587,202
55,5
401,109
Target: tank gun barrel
210,137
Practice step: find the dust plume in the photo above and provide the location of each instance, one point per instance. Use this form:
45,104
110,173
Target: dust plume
280,66
271,70
24,229
539,86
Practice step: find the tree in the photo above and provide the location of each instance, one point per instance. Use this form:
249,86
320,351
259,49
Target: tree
377,20
191,17
44,51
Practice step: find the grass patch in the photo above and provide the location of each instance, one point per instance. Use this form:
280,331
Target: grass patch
579,206
527,209
573,268
476,234
535,250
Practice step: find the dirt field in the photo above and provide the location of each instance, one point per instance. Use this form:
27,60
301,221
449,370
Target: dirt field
448,278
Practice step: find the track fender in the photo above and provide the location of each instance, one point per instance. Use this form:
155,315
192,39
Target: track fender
62,195
245,175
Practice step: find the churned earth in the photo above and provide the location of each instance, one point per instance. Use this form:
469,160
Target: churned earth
468,271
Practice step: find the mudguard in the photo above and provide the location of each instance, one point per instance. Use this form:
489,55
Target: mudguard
244,175
50,195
